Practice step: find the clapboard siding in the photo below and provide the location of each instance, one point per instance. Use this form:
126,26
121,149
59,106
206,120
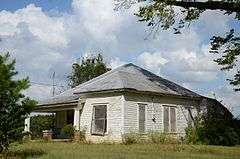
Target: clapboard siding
114,117
154,112
123,111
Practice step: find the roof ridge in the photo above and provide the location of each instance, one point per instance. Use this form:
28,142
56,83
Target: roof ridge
102,75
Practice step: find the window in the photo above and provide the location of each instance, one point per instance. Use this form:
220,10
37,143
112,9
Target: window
99,120
169,117
190,116
141,118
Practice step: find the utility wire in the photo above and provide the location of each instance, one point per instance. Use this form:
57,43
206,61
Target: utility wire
46,84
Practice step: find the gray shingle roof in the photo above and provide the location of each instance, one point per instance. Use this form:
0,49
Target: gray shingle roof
64,97
128,76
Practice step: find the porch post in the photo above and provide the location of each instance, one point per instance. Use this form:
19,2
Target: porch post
76,122
27,124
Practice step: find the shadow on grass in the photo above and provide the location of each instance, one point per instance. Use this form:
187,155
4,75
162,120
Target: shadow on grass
22,154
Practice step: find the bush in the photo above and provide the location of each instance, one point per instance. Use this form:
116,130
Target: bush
191,135
158,137
68,131
162,138
40,123
131,138
212,131
81,135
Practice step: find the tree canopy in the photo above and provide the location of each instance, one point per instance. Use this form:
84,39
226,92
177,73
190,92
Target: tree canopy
162,14
14,106
87,69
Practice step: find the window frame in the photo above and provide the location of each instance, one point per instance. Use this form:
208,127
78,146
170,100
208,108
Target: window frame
93,120
169,118
145,117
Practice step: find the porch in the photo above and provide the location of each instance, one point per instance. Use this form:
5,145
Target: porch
64,114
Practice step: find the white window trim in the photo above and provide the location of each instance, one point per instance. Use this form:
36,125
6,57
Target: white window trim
98,104
169,121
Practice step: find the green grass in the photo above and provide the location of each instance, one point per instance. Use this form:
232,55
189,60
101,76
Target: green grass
61,150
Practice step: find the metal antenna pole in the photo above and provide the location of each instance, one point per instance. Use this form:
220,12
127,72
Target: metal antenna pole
53,84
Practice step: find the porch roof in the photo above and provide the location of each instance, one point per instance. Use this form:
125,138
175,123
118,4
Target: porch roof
67,96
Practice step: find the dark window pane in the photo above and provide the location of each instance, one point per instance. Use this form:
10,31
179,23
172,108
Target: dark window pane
99,121
173,119
141,121
166,119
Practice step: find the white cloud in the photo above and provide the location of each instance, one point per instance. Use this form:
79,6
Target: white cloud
152,61
48,29
39,92
116,62
228,97
42,43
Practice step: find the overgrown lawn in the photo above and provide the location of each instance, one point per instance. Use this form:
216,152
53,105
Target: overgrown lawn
61,150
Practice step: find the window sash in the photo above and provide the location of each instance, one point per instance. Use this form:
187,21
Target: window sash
173,119
99,120
141,118
166,119
169,119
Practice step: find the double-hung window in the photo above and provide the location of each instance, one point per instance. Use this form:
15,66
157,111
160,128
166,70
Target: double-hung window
169,119
141,117
99,120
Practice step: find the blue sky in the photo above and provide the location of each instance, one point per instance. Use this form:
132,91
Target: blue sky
47,36
46,5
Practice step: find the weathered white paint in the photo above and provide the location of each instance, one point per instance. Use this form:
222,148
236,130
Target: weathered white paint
76,121
122,114
27,124
114,105
154,110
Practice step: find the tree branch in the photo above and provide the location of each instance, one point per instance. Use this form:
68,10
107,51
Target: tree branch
210,5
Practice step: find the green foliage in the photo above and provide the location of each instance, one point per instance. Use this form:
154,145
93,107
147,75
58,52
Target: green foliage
191,135
68,131
158,137
161,14
131,138
40,123
213,129
14,105
66,150
152,137
162,138
229,48
87,69
80,136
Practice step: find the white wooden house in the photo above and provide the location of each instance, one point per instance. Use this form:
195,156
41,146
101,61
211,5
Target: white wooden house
126,99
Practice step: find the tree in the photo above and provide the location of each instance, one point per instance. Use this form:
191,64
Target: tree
14,106
215,125
87,69
162,14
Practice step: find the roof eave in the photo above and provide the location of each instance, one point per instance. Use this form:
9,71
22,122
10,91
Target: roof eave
58,103
137,91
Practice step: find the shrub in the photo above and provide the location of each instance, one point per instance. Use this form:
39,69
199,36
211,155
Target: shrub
158,137
212,130
162,138
68,131
40,123
80,135
131,138
191,135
